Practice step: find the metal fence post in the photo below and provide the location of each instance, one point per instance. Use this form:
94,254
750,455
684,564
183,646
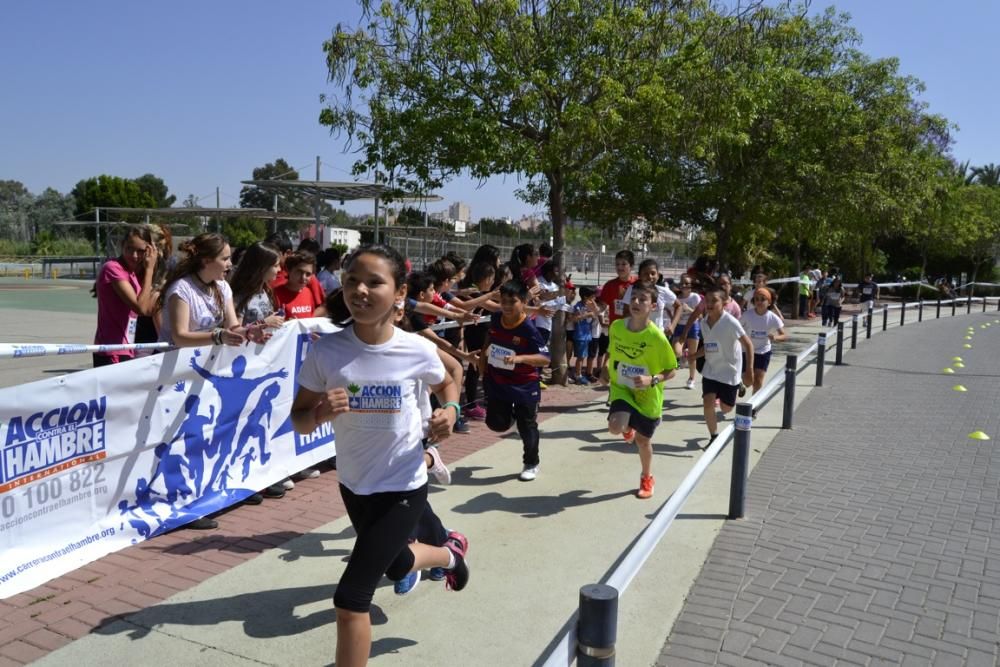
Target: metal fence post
920,311
902,314
868,321
820,359
984,304
741,461
840,344
597,628
885,316
791,365
954,304
854,332
938,309
968,304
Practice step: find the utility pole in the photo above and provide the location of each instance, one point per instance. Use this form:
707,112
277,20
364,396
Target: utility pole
218,204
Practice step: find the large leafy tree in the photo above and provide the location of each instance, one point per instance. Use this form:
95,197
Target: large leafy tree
157,189
251,197
434,88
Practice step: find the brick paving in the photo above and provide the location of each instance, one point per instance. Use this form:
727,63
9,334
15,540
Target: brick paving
869,535
46,618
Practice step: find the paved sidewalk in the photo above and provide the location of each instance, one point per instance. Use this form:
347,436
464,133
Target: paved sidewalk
871,531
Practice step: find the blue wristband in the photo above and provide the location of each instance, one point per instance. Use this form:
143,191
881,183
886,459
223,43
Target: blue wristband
458,408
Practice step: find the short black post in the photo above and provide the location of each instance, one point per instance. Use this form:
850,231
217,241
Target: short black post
791,366
920,311
954,304
938,309
597,628
885,316
902,314
984,304
820,359
741,461
854,332
868,322
968,304
840,344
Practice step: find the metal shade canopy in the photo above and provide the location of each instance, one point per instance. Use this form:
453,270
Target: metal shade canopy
343,191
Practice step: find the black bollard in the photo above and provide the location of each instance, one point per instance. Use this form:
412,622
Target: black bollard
885,317
968,305
820,359
741,461
902,314
791,365
938,309
840,344
954,304
868,321
984,304
920,311
854,332
597,629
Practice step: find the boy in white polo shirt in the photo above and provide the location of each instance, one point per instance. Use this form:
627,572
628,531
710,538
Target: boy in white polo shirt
720,378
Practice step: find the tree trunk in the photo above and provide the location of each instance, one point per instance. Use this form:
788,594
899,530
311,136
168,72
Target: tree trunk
557,342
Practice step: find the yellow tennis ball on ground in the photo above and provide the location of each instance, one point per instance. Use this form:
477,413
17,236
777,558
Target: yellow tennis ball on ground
979,435
956,359
958,364
947,371
967,346
968,338
959,387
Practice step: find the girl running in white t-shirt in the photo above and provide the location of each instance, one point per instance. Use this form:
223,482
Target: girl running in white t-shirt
366,379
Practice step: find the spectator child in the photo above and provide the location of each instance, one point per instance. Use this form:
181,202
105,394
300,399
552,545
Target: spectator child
584,315
301,295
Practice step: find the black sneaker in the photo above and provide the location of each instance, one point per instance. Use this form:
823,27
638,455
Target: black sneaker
204,523
253,499
461,426
275,491
457,577
712,437
742,391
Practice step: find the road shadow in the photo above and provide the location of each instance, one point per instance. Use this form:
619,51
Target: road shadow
619,446
534,507
465,476
295,545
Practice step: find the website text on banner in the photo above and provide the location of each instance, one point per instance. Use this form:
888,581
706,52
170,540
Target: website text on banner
98,460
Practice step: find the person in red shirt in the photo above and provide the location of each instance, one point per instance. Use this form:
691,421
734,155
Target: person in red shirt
614,290
301,296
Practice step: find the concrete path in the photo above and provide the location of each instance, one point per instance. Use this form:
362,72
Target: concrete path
871,534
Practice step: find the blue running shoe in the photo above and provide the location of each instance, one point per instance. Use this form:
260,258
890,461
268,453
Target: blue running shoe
407,583
437,574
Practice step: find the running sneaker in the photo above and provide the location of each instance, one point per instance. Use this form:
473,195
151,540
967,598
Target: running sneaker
529,473
753,413
438,469
542,385
582,379
475,412
274,491
646,483
437,574
689,384
458,576
308,473
288,484
407,583
461,426
628,435
254,499
742,391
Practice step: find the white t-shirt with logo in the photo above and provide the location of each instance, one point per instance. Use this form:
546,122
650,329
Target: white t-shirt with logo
204,313
378,440
665,299
542,322
687,305
758,327
723,352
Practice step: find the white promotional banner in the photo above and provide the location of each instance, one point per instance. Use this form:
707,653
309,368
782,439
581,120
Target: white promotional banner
94,461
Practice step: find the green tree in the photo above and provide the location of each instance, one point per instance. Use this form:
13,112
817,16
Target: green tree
241,232
15,208
156,189
279,170
988,175
109,191
531,87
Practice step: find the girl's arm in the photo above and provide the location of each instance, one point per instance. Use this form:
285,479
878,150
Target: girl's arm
469,304
425,308
780,336
180,315
311,408
443,419
537,360
747,354
446,346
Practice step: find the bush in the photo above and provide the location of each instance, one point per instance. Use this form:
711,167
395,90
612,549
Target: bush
10,248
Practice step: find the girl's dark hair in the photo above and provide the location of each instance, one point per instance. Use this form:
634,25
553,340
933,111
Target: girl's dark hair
202,248
280,241
441,271
550,271
143,232
627,255
456,260
335,305
514,288
418,282
648,262
248,276
518,257
309,245
487,253
477,273
299,258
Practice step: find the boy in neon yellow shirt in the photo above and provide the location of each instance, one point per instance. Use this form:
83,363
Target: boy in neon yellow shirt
640,360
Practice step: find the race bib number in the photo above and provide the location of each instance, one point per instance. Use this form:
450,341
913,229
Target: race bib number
130,331
757,334
375,405
866,290
498,357
619,307
711,347
626,373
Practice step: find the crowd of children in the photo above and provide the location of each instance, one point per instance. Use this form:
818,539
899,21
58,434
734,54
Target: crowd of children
628,334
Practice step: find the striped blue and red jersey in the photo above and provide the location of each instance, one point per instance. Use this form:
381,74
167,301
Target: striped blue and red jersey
520,383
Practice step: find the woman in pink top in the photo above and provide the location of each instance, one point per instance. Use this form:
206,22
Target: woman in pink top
122,295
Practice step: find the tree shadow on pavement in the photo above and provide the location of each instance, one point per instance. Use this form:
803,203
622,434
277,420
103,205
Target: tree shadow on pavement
534,507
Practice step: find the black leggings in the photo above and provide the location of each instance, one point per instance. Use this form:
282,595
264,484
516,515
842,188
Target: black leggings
383,522
501,415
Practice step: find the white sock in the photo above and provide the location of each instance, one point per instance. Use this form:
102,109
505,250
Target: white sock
451,560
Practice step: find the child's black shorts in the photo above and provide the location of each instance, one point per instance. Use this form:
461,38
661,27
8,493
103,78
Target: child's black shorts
640,422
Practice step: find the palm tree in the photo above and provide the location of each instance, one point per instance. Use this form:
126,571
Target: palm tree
988,175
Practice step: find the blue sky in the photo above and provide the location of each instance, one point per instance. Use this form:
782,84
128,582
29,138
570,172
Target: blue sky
200,93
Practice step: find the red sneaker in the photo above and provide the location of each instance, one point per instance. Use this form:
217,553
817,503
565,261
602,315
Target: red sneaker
645,487
628,435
